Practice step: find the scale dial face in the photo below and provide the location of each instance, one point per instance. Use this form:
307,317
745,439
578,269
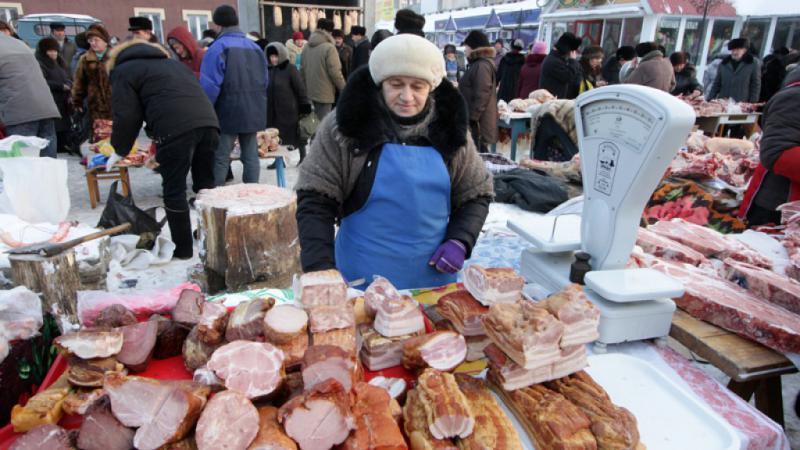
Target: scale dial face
618,121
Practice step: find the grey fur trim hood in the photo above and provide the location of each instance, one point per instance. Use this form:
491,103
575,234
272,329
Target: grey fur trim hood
283,52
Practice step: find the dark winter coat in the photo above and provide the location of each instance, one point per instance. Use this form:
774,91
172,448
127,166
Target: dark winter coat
59,82
508,75
686,81
479,88
92,84
286,97
742,84
234,76
611,69
655,71
772,75
149,86
337,176
195,60
561,75
24,96
361,54
529,75
67,52
346,59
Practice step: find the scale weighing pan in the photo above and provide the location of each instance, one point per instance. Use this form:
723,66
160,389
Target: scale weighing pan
633,285
551,234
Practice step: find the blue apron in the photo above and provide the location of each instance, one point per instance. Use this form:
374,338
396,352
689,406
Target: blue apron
402,223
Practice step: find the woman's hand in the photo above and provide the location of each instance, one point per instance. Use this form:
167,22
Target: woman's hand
449,257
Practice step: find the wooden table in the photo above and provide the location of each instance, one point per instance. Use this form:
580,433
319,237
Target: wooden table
518,123
752,368
119,173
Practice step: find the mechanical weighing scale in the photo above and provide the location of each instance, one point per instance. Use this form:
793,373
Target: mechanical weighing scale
627,136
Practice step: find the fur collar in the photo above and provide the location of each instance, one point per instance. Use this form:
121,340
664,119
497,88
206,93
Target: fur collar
361,116
483,52
747,59
148,50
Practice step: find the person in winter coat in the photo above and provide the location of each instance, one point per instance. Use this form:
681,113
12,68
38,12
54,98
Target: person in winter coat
500,51
57,77
739,75
142,28
508,72
209,36
66,48
773,71
777,178
26,106
591,67
710,74
286,97
150,87
83,46
234,76
91,79
560,71
378,36
395,167
453,64
362,47
295,47
406,21
613,65
685,80
653,70
345,52
181,41
321,69
530,72
479,88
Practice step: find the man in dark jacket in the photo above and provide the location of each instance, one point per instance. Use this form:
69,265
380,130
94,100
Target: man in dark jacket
479,88
614,64
560,71
739,74
234,76
362,47
508,72
66,48
148,86
345,52
773,71
142,28
777,178
685,79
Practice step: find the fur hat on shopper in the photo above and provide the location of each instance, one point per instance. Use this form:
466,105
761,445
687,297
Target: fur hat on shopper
644,48
476,39
337,33
55,26
225,16
99,31
738,43
568,42
47,44
626,53
407,55
358,30
136,23
324,24
407,21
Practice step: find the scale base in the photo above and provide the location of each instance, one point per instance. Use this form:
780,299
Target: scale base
619,322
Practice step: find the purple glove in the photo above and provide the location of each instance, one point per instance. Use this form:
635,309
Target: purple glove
449,257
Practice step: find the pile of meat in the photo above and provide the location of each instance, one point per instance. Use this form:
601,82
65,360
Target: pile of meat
703,108
731,160
268,141
536,97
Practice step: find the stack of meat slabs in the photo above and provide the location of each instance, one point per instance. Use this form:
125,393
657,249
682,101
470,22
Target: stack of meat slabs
461,312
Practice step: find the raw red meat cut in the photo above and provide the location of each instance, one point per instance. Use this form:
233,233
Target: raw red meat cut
668,249
320,418
322,362
138,342
254,369
100,430
229,421
766,284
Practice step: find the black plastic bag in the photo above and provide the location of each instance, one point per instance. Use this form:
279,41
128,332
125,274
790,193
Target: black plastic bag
529,190
120,209
80,130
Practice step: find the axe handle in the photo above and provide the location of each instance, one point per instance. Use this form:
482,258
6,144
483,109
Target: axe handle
58,248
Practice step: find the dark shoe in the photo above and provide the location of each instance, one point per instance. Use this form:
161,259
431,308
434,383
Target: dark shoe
180,226
273,165
229,176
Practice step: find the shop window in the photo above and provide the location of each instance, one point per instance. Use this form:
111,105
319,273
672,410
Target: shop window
756,30
721,33
787,34
611,35
157,16
197,21
631,31
667,34
10,12
691,39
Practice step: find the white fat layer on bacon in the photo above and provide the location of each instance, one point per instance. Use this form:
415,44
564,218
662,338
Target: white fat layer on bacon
445,351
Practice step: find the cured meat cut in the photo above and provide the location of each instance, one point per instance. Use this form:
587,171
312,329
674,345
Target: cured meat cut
765,284
572,360
344,338
79,401
378,292
528,334
475,347
375,428
668,249
90,372
579,316
100,430
207,377
189,307
320,418
138,342
43,408
293,351
169,341
45,437
415,423
441,350
270,433
396,387
495,285
247,320
398,317
213,319
229,421
114,316
510,375
379,352
727,305
90,344
283,323
254,369
321,288
195,352
447,411
463,311
493,429
326,318
323,362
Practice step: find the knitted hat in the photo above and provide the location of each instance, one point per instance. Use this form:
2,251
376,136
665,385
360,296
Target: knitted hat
96,30
626,52
47,44
407,21
518,44
325,25
337,33
407,55
225,16
358,30
139,23
540,48
476,39
738,43
568,42
298,35
57,26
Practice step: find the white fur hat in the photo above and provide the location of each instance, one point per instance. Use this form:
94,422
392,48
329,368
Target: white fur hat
407,55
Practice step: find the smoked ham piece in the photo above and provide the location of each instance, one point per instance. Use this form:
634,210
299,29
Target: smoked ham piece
446,409
344,338
375,428
463,311
44,437
322,362
510,375
320,418
326,318
415,423
377,293
398,316
114,316
79,401
91,344
283,323
293,351
189,307
247,319
138,342
324,287
493,429
100,430
441,350
195,352
579,316
528,334
90,372
270,433
213,319
379,352
496,285
170,338
254,369
229,421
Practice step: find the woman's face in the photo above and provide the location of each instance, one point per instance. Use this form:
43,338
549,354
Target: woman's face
451,56
52,54
273,60
405,96
596,62
679,67
179,49
97,44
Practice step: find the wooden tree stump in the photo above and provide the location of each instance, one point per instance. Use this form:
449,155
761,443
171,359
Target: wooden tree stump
249,236
56,279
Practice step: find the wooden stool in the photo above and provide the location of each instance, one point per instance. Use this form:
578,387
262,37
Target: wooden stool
99,173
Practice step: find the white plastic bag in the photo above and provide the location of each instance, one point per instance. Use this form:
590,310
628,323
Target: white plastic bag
20,314
35,189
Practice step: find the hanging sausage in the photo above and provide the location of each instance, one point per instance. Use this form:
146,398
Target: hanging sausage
277,16
303,18
312,20
337,20
295,20
321,14
348,22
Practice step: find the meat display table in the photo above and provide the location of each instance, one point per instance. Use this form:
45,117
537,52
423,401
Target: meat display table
753,368
517,123
714,125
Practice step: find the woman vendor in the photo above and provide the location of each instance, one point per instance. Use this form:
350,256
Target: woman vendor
395,168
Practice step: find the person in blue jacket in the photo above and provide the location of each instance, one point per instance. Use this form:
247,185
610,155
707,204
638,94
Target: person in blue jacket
234,75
